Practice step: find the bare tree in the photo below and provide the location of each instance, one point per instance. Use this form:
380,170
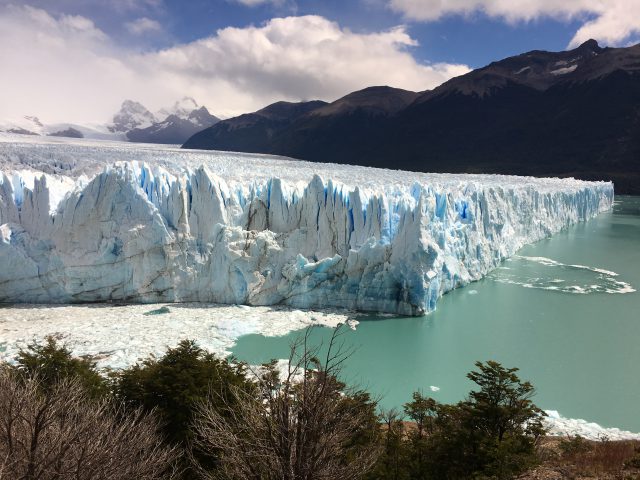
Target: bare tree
301,425
62,434
392,460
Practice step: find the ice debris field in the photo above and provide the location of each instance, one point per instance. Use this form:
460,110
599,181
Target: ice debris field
84,221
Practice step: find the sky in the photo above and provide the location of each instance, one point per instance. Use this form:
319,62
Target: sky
77,60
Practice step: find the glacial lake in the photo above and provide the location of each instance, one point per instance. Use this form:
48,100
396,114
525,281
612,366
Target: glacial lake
564,311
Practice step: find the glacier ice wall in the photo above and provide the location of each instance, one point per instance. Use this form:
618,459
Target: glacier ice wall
88,223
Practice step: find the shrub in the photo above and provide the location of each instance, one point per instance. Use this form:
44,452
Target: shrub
53,363
574,445
59,433
492,434
303,424
174,385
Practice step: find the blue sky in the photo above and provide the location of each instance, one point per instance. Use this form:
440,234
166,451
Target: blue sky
475,40
239,55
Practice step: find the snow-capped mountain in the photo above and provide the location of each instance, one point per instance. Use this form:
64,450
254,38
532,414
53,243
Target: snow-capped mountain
182,108
133,122
132,115
184,119
31,125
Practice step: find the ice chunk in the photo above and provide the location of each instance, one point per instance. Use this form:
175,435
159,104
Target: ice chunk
561,426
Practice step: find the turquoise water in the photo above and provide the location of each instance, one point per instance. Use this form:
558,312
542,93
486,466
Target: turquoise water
573,331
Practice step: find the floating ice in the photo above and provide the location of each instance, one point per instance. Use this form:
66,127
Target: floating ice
561,426
84,221
119,336
547,274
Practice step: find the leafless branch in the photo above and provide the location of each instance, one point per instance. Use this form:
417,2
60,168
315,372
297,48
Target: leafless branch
62,434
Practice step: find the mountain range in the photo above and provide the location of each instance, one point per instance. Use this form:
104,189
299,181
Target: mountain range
133,122
174,125
571,113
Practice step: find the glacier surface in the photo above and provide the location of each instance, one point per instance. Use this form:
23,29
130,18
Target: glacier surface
90,221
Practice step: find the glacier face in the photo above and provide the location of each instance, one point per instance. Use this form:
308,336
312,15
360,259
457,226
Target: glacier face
84,221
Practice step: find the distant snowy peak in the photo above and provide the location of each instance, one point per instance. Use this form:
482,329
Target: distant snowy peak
31,125
34,120
132,115
182,109
174,125
133,122
176,128
27,125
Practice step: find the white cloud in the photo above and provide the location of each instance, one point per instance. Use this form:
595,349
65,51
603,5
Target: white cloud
302,58
64,68
610,21
143,25
617,25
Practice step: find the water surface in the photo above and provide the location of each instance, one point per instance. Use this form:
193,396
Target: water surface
564,311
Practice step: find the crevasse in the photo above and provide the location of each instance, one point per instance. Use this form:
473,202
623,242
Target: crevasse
157,231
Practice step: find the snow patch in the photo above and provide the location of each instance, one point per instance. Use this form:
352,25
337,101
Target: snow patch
564,70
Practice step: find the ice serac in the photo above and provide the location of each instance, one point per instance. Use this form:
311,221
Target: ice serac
198,228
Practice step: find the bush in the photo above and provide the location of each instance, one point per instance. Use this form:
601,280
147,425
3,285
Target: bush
574,446
302,424
53,363
393,460
492,434
59,433
176,383
634,461
602,458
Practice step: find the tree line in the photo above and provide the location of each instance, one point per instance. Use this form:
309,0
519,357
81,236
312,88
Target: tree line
190,414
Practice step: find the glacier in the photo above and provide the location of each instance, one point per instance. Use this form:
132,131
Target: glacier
91,221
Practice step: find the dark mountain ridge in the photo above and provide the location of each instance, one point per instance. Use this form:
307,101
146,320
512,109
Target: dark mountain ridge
573,113
253,132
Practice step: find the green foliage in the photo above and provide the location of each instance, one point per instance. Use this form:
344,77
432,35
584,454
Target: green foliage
490,435
393,461
502,407
366,435
174,385
423,411
52,363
